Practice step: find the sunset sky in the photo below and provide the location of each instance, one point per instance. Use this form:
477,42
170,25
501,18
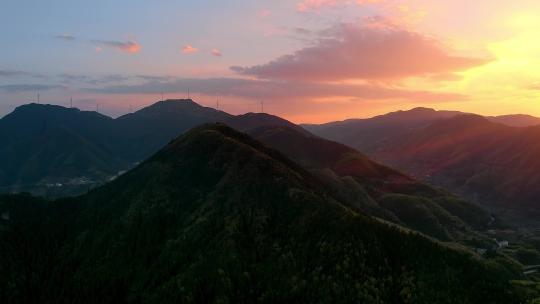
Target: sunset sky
309,61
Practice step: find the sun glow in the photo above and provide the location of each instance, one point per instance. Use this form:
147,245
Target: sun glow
511,79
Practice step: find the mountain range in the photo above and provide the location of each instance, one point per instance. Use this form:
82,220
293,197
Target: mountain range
53,151
218,217
488,160
121,143
253,208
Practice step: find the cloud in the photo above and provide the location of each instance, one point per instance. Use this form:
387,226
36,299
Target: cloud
154,77
16,73
9,73
315,5
308,5
535,86
130,47
189,49
264,14
216,53
302,31
371,50
92,80
276,90
17,88
67,37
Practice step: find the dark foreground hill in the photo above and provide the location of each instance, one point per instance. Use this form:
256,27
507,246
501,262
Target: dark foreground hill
216,217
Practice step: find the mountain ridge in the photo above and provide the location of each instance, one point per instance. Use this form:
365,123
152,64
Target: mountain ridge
481,159
123,141
216,216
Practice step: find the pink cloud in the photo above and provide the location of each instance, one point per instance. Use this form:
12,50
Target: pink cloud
264,14
216,53
310,5
369,50
130,47
189,49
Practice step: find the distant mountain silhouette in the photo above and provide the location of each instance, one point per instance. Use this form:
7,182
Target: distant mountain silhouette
44,144
110,146
489,162
518,120
142,133
217,217
53,150
368,134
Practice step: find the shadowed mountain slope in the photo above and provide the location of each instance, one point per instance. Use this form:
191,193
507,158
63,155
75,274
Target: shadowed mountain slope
518,120
366,184
491,162
144,132
371,133
488,162
44,144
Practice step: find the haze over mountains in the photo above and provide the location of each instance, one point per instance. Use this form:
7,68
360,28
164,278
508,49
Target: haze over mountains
489,162
369,132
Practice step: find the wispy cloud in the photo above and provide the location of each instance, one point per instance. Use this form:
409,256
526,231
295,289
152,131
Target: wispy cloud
130,47
276,90
154,77
216,53
302,31
264,14
307,5
535,86
315,5
92,80
189,49
17,88
10,73
16,73
67,37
